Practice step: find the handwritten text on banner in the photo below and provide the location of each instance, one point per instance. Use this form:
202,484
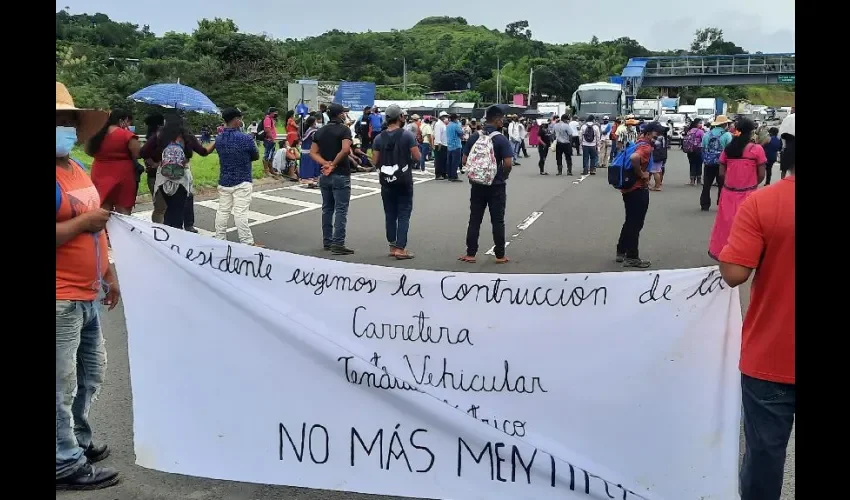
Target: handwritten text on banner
268,367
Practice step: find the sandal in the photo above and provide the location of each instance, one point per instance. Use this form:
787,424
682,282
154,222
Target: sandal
403,255
467,258
503,260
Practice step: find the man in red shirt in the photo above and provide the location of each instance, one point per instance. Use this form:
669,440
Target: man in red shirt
762,239
636,199
82,270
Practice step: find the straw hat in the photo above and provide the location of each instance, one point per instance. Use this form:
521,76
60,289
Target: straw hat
720,120
89,121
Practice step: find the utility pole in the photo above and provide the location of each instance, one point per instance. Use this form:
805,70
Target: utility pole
530,79
404,74
498,82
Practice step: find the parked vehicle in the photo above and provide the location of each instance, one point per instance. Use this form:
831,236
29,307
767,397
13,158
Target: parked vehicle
598,99
677,132
648,109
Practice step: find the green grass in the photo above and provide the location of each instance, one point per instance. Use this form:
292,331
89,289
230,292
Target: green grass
204,169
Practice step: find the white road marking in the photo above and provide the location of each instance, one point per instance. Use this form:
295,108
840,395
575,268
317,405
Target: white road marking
583,177
522,226
306,206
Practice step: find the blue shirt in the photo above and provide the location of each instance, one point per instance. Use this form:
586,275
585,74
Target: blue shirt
772,148
235,153
376,121
501,149
453,134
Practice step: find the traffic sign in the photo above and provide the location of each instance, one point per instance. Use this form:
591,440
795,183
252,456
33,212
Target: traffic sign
787,79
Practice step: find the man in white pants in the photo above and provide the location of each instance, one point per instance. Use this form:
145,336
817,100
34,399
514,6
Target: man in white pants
236,151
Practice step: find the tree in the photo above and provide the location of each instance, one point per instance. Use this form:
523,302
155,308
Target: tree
518,29
703,38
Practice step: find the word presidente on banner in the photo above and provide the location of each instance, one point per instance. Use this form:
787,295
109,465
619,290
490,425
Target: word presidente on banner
410,452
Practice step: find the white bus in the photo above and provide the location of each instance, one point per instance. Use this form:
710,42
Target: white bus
599,99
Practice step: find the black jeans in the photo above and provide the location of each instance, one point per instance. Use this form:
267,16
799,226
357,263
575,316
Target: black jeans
767,172
711,174
695,162
441,160
175,211
769,409
189,212
543,151
576,144
637,204
564,149
398,205
480,198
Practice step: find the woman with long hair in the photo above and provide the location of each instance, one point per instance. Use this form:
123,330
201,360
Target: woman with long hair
115,149
544,141
173,177
154,123
692,146
742,168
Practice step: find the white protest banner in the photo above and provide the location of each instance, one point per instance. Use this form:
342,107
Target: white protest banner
261,366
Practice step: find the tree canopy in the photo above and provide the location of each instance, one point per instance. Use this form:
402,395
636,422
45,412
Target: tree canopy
103,61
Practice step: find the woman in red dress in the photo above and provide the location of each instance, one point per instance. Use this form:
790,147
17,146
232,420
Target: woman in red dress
115,150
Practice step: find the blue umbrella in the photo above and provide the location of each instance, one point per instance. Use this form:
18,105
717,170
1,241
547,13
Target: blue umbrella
175,95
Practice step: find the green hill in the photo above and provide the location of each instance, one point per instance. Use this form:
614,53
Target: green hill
103,61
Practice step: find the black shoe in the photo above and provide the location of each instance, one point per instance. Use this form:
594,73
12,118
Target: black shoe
89,477
620,257
584,173
570,174
341,250
326,248
544,173
455,180
638,263
560,173
191,229
96,453
704,209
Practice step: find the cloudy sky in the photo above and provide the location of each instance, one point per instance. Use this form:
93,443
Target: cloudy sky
756,25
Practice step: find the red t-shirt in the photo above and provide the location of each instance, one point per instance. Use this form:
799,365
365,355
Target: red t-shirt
762,238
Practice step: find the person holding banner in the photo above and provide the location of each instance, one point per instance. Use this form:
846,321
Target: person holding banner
82,272
762,239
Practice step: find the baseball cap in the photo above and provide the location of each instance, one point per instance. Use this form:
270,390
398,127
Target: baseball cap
443,113
393,112
229,114
495,111
654,127
605,117
335,110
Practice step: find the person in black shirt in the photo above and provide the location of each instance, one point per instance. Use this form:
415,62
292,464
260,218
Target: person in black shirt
330,149
493,196
396,153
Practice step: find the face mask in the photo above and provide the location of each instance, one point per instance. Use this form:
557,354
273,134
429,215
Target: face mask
66,137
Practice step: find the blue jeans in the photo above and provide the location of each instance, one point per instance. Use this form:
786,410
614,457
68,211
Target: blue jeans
425,150
268,154
80,369
515,148
590,157
336,195
769,409
398,205
453,162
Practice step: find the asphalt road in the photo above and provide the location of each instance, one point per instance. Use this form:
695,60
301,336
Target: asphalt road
575,222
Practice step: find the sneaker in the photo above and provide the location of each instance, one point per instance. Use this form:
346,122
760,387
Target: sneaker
89,477
341,250
96,453
638,263
620,257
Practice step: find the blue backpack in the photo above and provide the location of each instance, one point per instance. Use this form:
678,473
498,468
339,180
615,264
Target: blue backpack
711,153
59,189
621,175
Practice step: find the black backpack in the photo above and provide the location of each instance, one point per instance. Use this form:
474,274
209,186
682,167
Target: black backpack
395,168
261,129
589,133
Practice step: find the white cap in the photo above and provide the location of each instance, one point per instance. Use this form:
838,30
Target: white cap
605,117
443,113
787,126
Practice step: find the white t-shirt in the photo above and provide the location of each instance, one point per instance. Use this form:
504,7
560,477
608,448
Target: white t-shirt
574,127
596,135
252,129
440,136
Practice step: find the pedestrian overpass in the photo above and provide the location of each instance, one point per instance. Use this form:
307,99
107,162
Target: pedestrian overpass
698,71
